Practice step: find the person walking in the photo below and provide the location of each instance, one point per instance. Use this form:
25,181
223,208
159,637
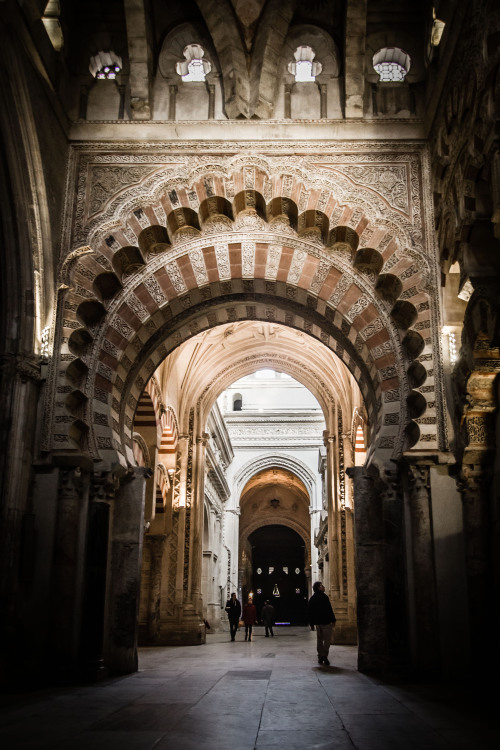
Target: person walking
268,618
233,609
249,618
321,615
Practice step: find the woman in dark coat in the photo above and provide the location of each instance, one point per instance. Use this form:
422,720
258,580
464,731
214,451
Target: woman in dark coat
249,618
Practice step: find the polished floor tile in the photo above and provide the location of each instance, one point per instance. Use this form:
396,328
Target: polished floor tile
262,695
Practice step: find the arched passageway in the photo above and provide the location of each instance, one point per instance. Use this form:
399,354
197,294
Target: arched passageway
145,215
160,285
278,573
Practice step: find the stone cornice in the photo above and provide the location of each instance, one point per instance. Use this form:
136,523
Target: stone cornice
263,131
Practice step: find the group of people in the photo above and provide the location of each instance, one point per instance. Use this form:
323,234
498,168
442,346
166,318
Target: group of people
320,616
249,617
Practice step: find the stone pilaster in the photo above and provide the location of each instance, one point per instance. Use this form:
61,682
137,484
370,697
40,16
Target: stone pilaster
197,523
184,624
475,487
426,636
156,546
125,572
102,494
68,570
370,570
334,542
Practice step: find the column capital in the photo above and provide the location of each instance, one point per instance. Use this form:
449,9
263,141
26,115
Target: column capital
328,438
104,485
419,476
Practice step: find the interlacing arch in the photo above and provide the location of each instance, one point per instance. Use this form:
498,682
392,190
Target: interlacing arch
247,247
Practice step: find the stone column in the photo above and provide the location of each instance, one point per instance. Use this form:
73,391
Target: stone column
140,59
426,645
495,188
103,488
334,550
197,520
355,25
68,569
211,101
288,100
180,502
156,545
172,99
184,624
125,571
370,570
323,89
475,486
478,498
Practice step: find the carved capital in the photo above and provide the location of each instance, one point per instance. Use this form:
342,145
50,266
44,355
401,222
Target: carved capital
104,486
136,471
28,367
328,439
473,481
419,478
71,483
156,543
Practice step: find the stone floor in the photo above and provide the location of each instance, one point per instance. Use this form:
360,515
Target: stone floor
269,693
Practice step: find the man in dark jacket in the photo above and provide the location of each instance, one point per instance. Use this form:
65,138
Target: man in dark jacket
233,609
268,618
320,614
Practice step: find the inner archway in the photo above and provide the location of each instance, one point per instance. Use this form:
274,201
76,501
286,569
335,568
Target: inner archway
159,277
279,573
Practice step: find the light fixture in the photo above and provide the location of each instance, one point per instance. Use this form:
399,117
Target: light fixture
105,65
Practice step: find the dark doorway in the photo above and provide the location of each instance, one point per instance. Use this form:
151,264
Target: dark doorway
278,574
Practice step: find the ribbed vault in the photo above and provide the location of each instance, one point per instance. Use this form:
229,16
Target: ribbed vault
214,359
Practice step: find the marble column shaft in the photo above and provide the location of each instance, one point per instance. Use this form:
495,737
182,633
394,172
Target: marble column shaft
426,654
68,569
475,486
157,549
125,572
92,660
370,571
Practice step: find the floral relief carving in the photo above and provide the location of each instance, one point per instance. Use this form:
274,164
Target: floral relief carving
175,277
390,181
106,181
222,256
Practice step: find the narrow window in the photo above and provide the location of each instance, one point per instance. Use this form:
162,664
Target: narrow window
304,69
391,63
194,67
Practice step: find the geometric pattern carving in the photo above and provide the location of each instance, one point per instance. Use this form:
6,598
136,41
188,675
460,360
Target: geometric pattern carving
314,287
